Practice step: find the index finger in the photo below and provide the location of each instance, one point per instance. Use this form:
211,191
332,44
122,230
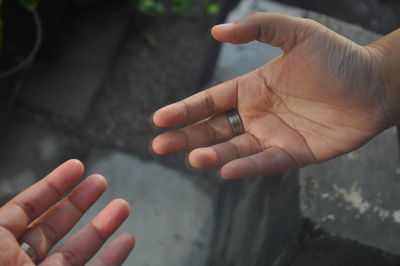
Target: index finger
16,214
217,99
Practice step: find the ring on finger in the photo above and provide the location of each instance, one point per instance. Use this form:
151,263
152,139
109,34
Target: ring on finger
29,251
235,121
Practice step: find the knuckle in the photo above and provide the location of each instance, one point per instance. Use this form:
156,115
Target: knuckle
50,233
257,15
69,200
209,103
275,159
187,139
308,23
27,208
211,133
240,81
54,189
69,257
235,150
187,110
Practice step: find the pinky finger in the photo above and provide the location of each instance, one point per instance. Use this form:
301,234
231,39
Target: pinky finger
116,252
271,161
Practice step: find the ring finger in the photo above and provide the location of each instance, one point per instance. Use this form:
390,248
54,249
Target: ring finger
220,154
49,228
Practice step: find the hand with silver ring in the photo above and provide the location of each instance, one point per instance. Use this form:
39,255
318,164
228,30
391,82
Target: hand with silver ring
324,96
36,219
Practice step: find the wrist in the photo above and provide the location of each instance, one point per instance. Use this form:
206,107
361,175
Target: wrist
386,52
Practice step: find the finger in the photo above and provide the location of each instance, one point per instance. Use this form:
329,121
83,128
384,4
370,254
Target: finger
220,154
218,99
117,252
274,29
84,244
205,133
270,161
34,201
48,229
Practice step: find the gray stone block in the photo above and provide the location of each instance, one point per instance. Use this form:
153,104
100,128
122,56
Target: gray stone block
356,195
171,218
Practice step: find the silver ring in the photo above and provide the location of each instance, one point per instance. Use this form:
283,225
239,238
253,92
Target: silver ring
29,251
235,121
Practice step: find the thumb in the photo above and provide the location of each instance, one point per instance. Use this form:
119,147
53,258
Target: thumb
274,29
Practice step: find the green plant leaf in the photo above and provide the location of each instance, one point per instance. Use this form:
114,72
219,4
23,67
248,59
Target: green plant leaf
180,6
213,9
149,7
29,4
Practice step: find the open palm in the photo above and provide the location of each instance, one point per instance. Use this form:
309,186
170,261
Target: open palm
318,100
40,217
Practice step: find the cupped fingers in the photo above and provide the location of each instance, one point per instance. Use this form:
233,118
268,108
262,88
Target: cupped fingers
48,229
218,155
205,133
270,161
84,244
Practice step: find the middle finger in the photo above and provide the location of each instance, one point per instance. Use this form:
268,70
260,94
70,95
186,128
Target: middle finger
205,133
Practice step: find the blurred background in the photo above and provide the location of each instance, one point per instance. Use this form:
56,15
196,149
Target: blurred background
380,16
81,79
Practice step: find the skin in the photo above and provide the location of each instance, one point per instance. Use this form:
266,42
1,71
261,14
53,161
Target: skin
323,97
40,216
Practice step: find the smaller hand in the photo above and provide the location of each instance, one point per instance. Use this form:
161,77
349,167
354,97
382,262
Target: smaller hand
40,217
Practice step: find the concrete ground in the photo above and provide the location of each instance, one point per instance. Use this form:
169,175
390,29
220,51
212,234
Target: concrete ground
91,104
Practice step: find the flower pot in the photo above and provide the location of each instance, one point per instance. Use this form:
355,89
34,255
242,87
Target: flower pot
22,40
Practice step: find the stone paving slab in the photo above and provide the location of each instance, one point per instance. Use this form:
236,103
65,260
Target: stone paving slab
171,219
356,195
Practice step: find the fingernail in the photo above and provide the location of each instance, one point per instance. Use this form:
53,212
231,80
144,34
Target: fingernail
226,25
151,122
151,149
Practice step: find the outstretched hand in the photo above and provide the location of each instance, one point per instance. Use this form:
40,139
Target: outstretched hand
321,98
40,217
